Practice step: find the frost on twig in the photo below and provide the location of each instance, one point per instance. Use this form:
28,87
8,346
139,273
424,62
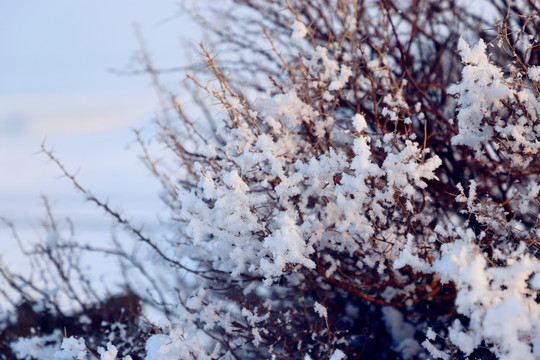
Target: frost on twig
374,179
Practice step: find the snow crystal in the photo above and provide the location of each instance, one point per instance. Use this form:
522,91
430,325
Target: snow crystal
72,348
329,67
287,246
534,73
175,346
321,310
497,300
430,334
338,355
392,114
464,341
481,90
473,55
195,301
359,122
344,75
109,353
39,347
434,352
299,31
257,338
253,318
233,180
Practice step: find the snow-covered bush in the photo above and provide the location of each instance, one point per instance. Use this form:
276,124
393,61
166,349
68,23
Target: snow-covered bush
366,186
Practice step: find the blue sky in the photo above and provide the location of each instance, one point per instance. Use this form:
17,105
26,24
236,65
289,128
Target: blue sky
56,84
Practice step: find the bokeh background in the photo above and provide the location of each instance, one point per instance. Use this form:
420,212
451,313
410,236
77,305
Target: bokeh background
65,80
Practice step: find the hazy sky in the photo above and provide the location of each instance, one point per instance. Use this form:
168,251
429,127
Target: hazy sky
56,84
57,55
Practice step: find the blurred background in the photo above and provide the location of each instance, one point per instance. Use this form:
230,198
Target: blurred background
63,82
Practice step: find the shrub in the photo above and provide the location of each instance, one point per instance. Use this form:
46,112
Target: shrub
367,186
